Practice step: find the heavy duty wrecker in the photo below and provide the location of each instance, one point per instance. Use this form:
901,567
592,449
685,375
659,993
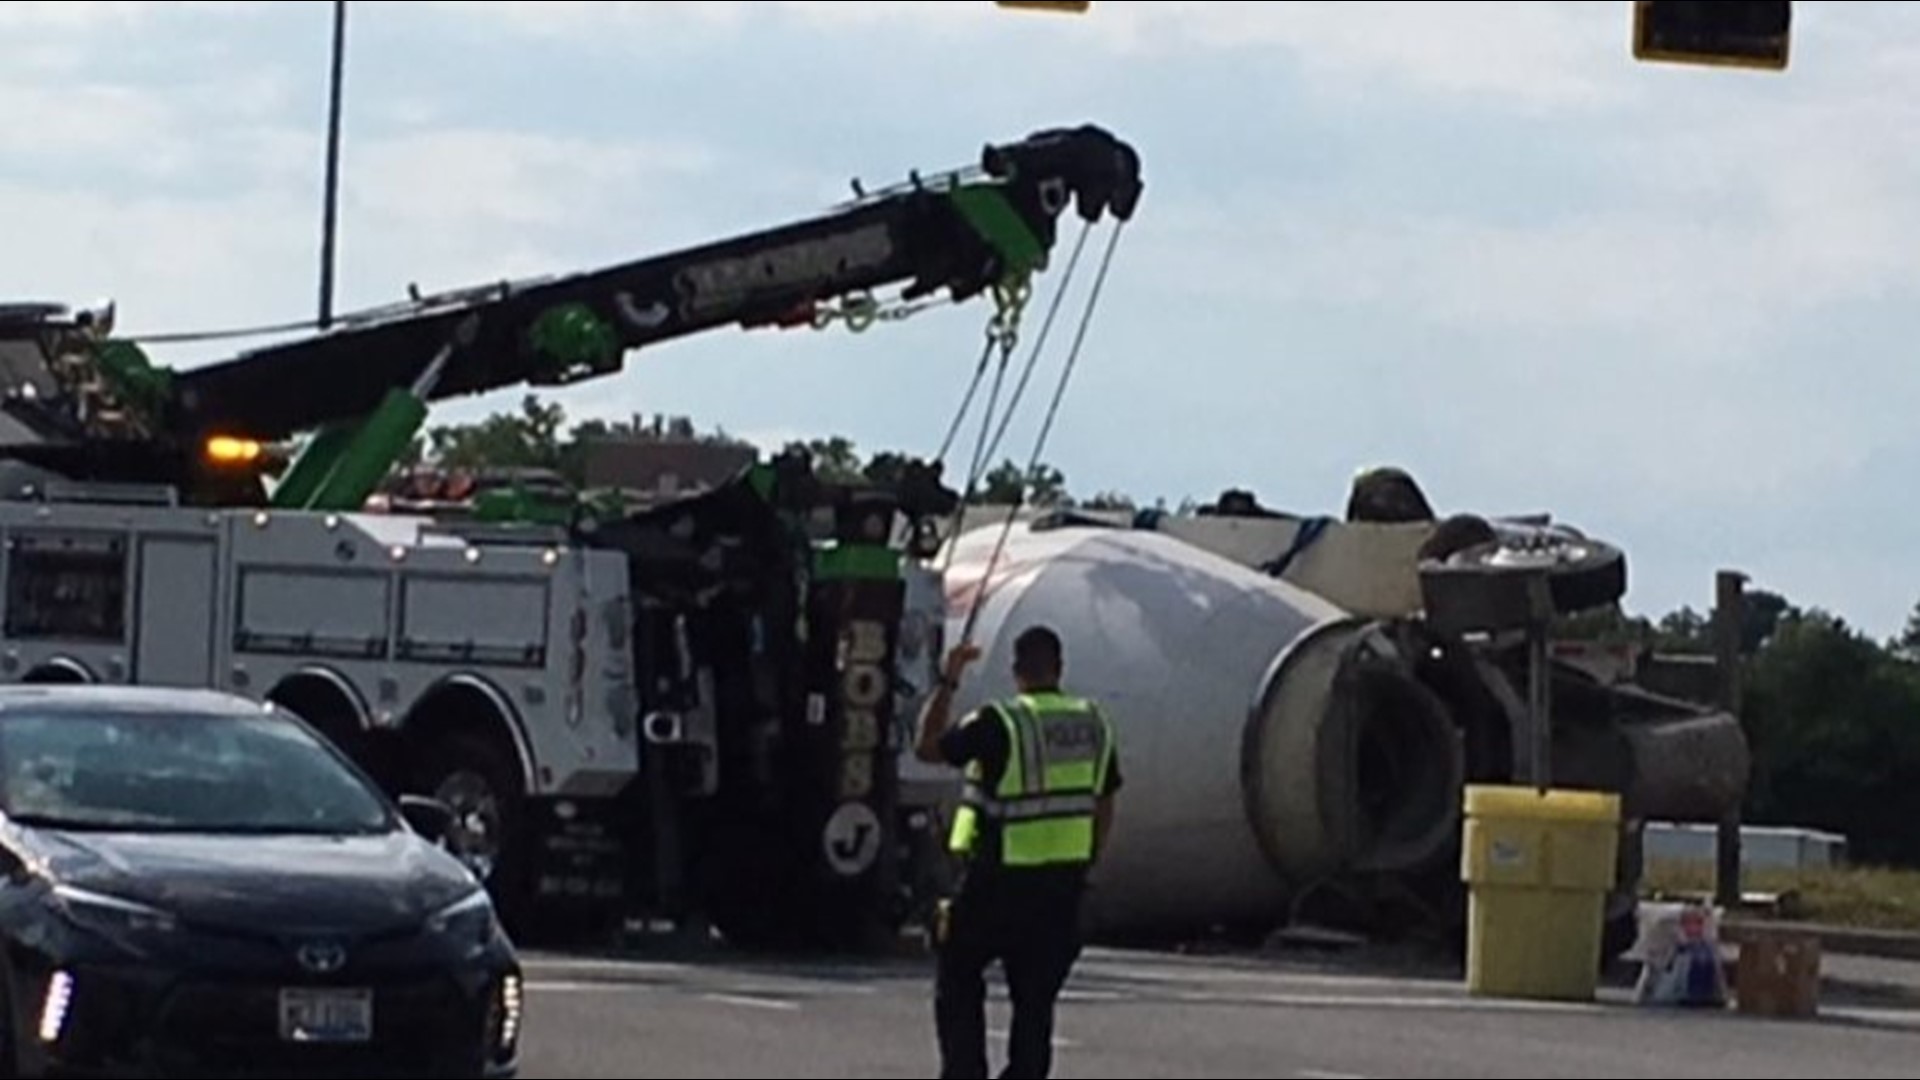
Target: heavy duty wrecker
685,711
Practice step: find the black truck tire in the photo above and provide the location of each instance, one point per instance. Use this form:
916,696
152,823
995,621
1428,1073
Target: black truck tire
1473,580
474,777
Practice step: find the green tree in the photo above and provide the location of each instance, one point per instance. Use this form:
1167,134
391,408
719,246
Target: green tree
1835,723
1111,500
1010,485
530,438
887,470
1907,645
836,459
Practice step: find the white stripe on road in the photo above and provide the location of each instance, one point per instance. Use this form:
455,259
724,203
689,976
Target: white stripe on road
1092,995
1362,1002
1149,973
747,1002
622,967
1348,1002
589,986
597,986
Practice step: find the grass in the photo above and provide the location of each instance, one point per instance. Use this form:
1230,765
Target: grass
1852,899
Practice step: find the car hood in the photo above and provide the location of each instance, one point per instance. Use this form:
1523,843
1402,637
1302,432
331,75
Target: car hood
264,884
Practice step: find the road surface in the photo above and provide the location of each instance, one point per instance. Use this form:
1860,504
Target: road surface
1155,1017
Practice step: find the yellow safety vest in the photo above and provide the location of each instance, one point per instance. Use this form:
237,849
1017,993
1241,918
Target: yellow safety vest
1061,753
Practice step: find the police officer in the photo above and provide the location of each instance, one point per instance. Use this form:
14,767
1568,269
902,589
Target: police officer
1041,773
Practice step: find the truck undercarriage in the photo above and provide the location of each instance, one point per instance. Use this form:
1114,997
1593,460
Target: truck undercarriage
1314,694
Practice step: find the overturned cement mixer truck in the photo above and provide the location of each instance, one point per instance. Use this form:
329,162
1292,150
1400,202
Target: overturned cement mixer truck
1303,700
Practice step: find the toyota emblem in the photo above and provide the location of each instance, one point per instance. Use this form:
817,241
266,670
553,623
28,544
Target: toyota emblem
322,958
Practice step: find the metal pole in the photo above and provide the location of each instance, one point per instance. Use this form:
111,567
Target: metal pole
330,220
1540,678
1729,631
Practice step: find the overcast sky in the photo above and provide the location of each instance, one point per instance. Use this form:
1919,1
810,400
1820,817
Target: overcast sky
1675,307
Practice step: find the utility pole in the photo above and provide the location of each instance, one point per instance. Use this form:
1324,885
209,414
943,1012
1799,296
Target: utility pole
330,215
1729,625
1540,614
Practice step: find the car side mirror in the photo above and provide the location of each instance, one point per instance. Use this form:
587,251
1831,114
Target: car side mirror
430,818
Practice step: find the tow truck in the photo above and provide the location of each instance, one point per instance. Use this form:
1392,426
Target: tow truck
687,712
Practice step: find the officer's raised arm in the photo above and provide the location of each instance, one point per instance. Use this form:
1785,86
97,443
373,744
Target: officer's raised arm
937,717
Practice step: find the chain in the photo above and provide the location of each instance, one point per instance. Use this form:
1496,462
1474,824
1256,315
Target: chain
1010,302
863,311
1040,442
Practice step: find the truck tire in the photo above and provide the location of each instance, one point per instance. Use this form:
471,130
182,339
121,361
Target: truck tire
478,780
1471,583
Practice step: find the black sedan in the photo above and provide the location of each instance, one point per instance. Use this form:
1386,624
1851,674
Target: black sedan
194,885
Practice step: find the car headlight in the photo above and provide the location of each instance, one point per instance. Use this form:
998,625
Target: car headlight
110,915
470,919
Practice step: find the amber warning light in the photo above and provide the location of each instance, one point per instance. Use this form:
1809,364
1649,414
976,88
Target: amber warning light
229,450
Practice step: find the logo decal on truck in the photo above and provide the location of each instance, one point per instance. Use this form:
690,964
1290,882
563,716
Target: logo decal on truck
865,688
853,839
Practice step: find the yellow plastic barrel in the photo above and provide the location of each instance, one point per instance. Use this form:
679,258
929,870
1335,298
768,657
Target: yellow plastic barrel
1539,868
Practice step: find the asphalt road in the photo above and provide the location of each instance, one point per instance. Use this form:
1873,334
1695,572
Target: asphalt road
1157,1017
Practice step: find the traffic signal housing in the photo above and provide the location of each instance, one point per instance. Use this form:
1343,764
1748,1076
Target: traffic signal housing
1076,7
1715,33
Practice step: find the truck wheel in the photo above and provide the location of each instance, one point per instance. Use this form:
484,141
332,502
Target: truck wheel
1483,586
478,781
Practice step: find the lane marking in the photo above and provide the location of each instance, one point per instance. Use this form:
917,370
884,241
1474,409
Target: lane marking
586,986
623,967
1147,974
1094,995
747,1002
1363,1002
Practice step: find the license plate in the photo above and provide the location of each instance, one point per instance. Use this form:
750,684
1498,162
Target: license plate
326,1016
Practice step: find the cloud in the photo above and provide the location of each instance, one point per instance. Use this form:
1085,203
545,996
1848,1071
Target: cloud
195,200
92,16
612,20
1528,55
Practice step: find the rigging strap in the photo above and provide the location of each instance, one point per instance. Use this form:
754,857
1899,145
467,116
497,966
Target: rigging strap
1046,433
986,449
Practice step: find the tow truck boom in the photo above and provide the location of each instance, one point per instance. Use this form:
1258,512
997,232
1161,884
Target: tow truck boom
369,378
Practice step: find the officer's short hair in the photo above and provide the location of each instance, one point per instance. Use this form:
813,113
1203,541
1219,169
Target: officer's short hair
1038,654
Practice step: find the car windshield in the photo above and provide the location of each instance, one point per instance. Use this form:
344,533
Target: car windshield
159,771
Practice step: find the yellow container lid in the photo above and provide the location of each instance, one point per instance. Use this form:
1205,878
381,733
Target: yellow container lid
1529,804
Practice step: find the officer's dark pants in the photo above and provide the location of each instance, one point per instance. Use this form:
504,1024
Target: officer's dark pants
1030,922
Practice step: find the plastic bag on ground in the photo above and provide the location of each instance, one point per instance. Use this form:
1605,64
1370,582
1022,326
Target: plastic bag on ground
1681,963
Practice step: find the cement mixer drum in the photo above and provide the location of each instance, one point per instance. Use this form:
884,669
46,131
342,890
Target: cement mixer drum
1268,739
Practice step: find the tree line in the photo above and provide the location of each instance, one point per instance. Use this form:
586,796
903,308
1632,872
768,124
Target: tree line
1834,715
539,435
